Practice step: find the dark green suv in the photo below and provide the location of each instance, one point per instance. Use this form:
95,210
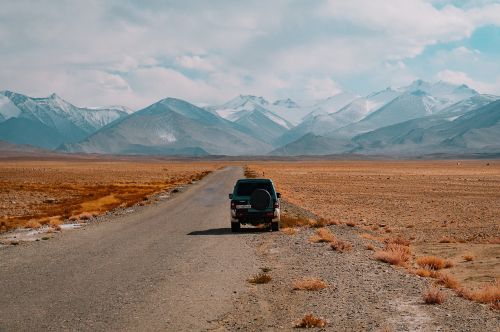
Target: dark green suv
254,202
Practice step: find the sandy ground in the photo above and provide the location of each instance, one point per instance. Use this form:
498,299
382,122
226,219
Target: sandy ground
39,192
447,208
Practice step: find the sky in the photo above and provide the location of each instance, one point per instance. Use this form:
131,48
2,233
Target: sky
133,53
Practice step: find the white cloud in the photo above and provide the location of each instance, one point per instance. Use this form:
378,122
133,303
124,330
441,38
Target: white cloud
133,53
322,88
458,77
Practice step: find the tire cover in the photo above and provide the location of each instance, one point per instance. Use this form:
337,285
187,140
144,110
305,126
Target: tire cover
260,199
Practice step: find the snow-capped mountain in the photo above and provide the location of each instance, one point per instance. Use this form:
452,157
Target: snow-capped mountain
252,113
356,110
171,126
52,117
330,105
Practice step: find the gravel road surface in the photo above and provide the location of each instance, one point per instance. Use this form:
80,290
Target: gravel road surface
171,266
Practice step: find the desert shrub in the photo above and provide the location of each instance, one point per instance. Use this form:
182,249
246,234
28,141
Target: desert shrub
289,221
394,254
433,262
322,235
340,245
289,231
309,284
310,321
261,278
434,296
489,293
468,257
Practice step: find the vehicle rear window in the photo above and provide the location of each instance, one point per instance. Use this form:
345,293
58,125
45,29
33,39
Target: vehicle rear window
246,189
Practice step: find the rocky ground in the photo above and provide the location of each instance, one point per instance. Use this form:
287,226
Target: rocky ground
363,294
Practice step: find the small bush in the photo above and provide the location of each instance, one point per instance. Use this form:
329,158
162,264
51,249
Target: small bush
489,293
32,224
322,235
433,262
261,278
322,222
341,246
397,240
394,254
289,231
434,296
309,284
468,257
350,224
448,281
369,247
288,221
422,272
310,321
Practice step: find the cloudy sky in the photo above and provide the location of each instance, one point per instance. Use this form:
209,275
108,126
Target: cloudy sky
136,52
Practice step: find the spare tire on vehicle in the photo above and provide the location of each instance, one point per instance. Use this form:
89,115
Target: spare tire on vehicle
260,199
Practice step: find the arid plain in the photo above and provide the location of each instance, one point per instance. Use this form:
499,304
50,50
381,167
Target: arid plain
448,209
39,192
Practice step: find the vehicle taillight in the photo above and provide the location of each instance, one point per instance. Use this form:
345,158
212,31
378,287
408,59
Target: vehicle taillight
233,205
276,205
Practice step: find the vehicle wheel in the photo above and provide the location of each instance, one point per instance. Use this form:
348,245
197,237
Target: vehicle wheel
275,226
235,227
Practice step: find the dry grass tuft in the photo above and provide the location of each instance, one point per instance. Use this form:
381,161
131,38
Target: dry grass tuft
322,222
394,254
310,321
289,231
309,284
370,237
250,173
489,293
397,240
351,224
341,246
468,257
261,278
85,216
433,262
448,281
422,272
288,221
369,247
434,296
322,235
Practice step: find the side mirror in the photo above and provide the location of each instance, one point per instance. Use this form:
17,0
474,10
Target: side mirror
278,195
230,196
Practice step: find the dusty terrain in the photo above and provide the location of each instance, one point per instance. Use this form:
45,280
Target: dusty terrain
37,192
175,265
450,209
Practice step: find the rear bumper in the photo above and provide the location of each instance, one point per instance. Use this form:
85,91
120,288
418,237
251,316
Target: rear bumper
255,217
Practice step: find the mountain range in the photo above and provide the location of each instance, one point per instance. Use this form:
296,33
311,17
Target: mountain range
418,119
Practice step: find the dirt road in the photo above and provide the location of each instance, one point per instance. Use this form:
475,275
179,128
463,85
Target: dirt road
166,267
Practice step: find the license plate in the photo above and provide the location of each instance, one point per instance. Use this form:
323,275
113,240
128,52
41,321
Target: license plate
243,206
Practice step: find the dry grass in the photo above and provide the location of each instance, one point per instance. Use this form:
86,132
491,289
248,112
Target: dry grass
289,221
250,173
351,224
422,272
43,189
371,237
434,295
341,246
399,240
468,257
394,254
311,321
369,247
289,230
322,222
433,262
32,224
448,281
489,293
261,278
309,284
322,235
